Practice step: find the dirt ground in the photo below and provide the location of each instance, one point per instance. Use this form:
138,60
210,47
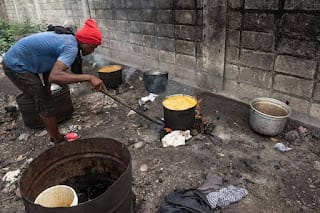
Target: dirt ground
276,182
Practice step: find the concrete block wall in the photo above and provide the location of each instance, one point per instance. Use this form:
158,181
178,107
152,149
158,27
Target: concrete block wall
151,34
46,12
273,49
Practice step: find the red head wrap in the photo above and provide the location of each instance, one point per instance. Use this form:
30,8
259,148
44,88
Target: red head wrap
89,34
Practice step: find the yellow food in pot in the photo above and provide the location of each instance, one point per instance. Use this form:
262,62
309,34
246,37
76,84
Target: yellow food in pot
179,102
111,68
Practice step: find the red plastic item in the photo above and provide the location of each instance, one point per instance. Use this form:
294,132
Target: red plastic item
71,136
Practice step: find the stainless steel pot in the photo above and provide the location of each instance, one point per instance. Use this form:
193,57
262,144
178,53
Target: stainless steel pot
155,81
268,116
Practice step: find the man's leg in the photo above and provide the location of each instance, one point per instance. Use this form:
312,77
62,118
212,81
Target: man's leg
31,85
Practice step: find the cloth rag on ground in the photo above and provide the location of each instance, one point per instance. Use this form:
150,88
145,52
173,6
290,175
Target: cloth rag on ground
226,196
186,201
151,97
281,147
176,138
211,184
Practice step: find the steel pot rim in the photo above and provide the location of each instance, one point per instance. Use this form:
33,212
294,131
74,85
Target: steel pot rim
271,101
155,72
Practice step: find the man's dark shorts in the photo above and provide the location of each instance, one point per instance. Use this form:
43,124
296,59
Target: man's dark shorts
31,86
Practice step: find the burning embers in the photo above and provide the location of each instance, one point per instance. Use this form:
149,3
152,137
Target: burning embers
199,124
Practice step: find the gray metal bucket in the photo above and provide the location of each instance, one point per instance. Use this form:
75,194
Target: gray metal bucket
268,116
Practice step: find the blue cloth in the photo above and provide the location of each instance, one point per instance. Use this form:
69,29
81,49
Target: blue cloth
37,53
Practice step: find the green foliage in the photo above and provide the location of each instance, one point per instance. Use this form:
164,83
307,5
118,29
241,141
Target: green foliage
11,32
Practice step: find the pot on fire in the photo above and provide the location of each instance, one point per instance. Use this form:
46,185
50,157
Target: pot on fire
179,111
111,75
268,116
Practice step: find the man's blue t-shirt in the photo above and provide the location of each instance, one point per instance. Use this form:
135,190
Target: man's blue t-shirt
37,53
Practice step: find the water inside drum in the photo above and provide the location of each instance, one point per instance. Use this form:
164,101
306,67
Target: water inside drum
270,109
90,186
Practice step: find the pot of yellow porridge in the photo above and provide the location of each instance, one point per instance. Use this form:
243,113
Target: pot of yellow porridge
111,75
179,111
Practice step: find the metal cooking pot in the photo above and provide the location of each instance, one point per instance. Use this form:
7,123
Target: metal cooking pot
179,119
112,80
155,81
268,116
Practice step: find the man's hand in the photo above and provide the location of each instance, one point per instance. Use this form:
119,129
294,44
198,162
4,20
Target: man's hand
97,83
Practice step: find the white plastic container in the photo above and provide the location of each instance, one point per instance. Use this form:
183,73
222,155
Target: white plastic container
57,196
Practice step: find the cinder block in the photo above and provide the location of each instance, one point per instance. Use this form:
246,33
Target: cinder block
185,4
122,25
186,47
185,32
257,59
145,4
137,49
316,95
112,24
148,28
231,72
199,49
234,20
296,104
187,76
170,68
121,14
199,17
296,66
166,56
121,36
315,110
186,61
233,38
300,24
150,63
115,45
151,53
310,5
186,17
209,81
148,15
133,4
166,44
165,30
119,4
292,85
135,27
255,77
165,17
235,4
201,63
232,54
136,38
297,47
164,4
257,41
134,15
260,22
262,5
149,41
247,92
